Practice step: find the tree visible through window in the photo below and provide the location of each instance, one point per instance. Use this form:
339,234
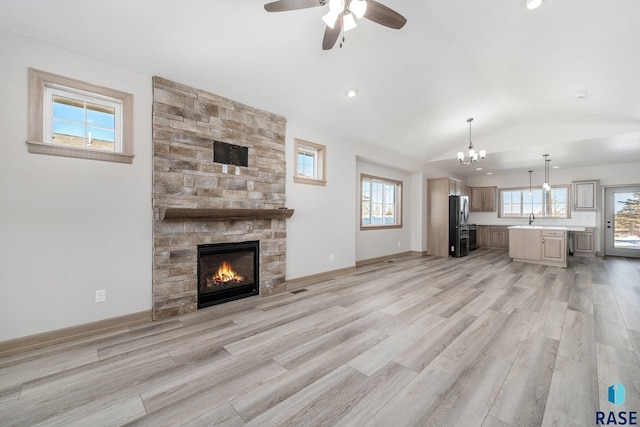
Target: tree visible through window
380,202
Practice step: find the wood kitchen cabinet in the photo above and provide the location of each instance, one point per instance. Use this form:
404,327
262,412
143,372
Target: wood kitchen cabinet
455,187
585,195
525,244
538,246
499,237
438,216
583,242
493,236
466,191
483,199
554,246
483,236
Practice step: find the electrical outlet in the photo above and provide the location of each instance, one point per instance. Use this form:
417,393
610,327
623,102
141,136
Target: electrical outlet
398,244
225,169
237,170
331,258
101,295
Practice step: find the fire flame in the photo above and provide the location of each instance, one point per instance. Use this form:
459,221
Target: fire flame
226,274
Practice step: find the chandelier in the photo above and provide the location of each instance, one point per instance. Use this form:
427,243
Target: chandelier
474,156
348,9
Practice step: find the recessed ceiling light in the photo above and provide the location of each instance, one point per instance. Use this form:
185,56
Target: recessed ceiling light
555,167
532,4
489,173
478,169
351,93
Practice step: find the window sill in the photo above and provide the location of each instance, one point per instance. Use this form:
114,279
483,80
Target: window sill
309,181
379,227
78,153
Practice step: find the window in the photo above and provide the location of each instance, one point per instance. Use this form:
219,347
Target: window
517,202
76,119
309,164
381,203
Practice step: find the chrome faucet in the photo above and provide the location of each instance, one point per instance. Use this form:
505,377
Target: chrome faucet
531,218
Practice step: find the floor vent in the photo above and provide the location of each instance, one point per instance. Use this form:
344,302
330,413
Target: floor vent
299,290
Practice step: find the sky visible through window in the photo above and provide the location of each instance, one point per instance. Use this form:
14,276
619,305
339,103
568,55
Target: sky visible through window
69,119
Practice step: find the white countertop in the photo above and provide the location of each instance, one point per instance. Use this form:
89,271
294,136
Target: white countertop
548,227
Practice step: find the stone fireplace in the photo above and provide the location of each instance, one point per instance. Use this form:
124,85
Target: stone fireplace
199,202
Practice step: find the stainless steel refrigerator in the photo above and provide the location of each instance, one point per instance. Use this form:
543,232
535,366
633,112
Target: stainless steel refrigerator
458,226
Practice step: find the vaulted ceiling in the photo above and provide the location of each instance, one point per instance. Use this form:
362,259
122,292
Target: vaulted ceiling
516,72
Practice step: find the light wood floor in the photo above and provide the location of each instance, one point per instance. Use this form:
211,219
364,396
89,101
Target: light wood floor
415,341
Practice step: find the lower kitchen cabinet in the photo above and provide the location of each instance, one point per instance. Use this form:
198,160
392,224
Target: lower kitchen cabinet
583,243
554,246
499,237
493,236
548,247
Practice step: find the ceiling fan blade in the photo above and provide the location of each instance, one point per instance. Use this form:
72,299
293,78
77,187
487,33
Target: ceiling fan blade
383,15
331,35
284,5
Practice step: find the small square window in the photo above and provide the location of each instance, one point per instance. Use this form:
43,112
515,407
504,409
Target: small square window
75,119
309,163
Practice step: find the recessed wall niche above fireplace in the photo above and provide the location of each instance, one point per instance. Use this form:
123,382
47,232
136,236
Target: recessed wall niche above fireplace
227,271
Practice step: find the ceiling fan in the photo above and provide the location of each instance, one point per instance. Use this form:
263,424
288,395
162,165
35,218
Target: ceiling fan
341,15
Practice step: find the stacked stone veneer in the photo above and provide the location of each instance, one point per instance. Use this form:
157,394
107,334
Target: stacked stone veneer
186,121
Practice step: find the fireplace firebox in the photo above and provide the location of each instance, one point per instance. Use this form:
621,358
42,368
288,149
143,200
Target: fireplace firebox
227,271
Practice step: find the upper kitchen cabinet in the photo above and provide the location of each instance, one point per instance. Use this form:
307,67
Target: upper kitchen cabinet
483,199
455,187
466,191
585,195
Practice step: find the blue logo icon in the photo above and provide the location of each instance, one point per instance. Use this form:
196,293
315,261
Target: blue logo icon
616,394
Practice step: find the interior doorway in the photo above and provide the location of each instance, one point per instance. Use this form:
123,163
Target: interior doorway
622,221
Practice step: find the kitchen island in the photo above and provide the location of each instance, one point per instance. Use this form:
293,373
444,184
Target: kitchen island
540,244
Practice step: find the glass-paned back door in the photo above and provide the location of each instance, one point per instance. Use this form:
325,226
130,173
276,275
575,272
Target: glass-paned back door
622,221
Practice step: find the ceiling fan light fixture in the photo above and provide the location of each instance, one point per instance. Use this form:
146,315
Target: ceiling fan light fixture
532,4
358,8
348,22
336,6
331,18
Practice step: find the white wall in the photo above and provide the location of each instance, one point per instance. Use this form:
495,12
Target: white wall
322,224
325,221
69,227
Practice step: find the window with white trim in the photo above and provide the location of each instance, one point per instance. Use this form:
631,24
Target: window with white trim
80,119
380,203
519,203
71,118
309,163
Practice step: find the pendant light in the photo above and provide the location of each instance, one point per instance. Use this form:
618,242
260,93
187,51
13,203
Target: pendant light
545,185
473,154
530,191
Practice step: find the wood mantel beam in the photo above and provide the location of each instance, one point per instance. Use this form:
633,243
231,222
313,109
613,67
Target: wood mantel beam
223,214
